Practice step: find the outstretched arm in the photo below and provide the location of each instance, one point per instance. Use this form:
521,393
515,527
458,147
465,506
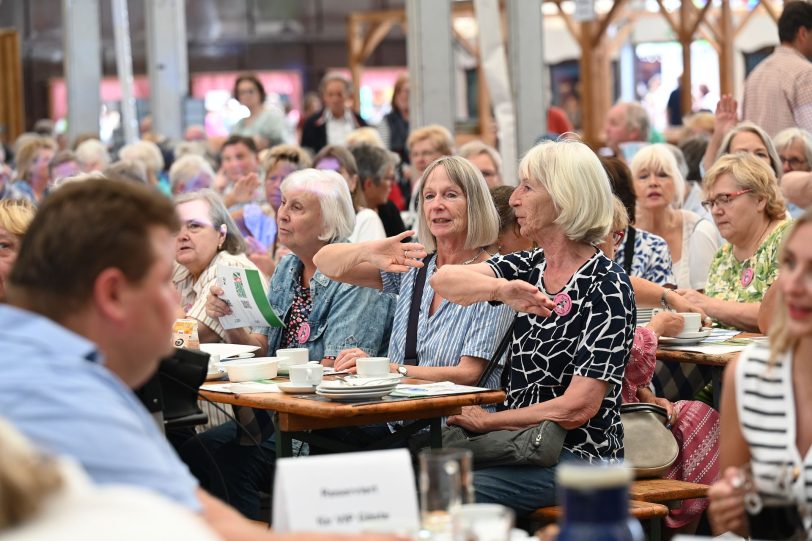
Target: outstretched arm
466,285
360,263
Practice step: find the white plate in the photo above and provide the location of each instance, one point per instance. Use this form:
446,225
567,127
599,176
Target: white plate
354,397
341,387
296,389
694,338
227,350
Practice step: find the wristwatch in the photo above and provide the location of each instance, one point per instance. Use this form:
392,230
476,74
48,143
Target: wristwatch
403,370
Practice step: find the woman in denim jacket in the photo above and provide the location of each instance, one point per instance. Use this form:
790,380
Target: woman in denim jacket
320,314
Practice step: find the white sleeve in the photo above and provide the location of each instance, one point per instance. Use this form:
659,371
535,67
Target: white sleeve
702,246
368,226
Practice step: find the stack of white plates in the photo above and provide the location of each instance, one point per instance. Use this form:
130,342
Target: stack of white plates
356,389
644,315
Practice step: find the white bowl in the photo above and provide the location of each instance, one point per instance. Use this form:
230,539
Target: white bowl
251,369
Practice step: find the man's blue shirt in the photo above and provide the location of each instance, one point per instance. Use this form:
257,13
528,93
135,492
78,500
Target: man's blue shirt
56,390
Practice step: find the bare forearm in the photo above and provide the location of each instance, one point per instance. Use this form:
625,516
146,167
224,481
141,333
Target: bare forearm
465,285
348,263
459,374
567,413
797,188
714,144
743,316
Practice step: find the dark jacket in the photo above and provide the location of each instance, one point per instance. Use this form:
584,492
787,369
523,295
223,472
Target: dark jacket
314,131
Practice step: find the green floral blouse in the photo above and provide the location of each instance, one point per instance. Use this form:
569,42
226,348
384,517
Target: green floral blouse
746,281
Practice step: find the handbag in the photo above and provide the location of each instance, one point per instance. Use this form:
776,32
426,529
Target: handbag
538,445
649,446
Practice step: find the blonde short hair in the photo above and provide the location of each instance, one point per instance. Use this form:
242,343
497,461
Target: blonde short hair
286,153
483,219
620,216
364,135
145,152
575,179
750,173
92,152
16,215
438,136
660,157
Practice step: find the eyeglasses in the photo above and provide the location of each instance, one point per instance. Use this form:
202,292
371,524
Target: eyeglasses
794,163
618,236
723,199
194,227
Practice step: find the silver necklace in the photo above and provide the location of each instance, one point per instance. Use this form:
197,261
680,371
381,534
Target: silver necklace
468,262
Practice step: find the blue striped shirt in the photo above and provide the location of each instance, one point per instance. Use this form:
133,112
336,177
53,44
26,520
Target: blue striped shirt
451,332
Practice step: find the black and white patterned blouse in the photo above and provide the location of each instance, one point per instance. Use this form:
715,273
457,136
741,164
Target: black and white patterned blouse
589,334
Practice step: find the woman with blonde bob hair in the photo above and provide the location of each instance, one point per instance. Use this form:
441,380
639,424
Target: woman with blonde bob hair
458,220
743,197
660,190
575,322
15,216
767,394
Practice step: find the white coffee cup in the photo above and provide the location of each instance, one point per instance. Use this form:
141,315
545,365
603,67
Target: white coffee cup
693,322
372,366
291,356
306,374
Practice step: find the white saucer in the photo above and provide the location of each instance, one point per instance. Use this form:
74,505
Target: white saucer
704,333
353,397
685,339
296,389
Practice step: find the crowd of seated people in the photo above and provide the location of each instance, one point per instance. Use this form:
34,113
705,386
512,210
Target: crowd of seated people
101,251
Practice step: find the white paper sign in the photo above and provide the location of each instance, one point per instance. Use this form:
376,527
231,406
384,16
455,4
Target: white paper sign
347,492
243,291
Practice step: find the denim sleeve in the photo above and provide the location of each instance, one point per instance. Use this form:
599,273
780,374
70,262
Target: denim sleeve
361,318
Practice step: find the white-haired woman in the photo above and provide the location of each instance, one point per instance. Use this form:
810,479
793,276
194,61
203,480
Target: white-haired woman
794,146
92,155
150,155
190,173
457,221
208,237
320,314
565,366
660,190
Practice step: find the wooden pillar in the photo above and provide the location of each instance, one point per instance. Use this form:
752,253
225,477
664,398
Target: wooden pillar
12,117
686,36
726,49
590,122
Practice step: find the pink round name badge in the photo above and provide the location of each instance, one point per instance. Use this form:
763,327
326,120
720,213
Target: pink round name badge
304,333
747,276
563,304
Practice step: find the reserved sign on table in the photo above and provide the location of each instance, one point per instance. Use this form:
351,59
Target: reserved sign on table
348,492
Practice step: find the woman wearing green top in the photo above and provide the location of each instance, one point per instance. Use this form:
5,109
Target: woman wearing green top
746,204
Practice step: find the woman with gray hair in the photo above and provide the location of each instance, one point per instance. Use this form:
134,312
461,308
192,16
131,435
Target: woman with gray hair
190,173
794,146
320,314
208,237
458,221
575,325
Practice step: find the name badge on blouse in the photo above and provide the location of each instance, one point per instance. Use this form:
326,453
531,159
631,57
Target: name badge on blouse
304,333
747,276
563,304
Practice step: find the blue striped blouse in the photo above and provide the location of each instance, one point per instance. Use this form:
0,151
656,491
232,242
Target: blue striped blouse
451,332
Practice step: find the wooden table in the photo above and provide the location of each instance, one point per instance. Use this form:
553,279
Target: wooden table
716,362
295,417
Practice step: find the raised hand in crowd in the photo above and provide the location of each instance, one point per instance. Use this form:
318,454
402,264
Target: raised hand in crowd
244,190
725,119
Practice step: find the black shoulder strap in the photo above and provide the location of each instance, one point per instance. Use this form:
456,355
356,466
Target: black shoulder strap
410,351
628,250
494,362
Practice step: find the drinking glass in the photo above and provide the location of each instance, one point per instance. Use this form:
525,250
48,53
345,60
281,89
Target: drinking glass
482,522
446,483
